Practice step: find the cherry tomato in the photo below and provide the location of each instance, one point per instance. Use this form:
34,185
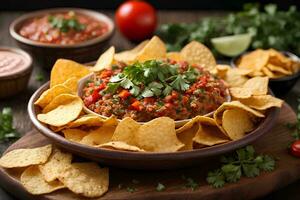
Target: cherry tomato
295,148
136,20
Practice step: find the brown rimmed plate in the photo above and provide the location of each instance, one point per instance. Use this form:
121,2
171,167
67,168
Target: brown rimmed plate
141,160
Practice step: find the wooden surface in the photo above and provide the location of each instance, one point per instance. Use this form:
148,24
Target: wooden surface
274,143
19,102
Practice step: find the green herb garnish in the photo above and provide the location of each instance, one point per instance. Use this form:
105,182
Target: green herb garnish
152,78
40,77
7,131
243,162
64,25
131,189
269,27
160,187
190,183
295,126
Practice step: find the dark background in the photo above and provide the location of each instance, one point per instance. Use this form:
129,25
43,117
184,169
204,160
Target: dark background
160,4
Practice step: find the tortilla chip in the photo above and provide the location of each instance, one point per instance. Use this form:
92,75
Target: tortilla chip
209,135
62,110
278,69
26,157
118,145
126,131
98,136
74,135
279,59
268,72
158,135
262,102
87,120
130,55
236,123
222,70
51,93
56,164
254,60
64,69
197,53
240,93
86,179
105,60
234,79
186,137
34,182
71,83
154,49
174,56
257,85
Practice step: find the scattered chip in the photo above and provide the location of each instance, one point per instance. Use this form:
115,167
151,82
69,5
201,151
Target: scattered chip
86,179
236,123
62,110
197,53
26,157
56,164
158,135
34,182
118,145
105,60
51,93
257,85
64,69
262,102
74,135
154,49
126,131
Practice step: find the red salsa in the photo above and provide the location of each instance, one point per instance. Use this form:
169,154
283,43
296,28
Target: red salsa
144,91
63,28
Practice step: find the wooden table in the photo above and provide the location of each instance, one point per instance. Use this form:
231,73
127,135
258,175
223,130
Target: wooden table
19,102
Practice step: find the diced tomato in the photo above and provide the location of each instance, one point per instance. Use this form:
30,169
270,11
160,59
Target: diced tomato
185,99
168,98
95,96
149,100
124,94
168,105
88,100
136,105
106,73
203,81
174,95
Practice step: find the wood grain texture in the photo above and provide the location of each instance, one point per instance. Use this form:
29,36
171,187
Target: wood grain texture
19,102
274,143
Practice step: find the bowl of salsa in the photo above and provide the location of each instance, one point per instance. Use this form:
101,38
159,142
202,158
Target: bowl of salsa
72,33
152,89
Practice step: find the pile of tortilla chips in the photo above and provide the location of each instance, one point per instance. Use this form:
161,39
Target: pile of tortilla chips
47,169
270,63
62,109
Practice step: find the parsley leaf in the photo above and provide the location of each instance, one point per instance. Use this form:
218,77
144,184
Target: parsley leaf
180,83
131,189
243,161
190,183
64,25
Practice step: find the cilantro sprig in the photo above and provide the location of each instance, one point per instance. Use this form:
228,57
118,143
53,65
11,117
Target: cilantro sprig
295,126
64,25
153,78
7,131
243,162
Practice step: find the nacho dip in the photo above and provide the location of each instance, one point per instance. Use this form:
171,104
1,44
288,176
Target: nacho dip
154,88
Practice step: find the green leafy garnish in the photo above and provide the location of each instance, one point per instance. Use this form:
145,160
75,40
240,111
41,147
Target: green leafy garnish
243,162
190,183
131,189
40,77
7,131
160,187
295,126
269,27
153,78
64,25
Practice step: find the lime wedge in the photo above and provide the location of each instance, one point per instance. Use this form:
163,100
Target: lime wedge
232,45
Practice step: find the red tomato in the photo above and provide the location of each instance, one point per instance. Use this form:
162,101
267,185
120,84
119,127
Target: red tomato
136,20
136,105
124,94
295,148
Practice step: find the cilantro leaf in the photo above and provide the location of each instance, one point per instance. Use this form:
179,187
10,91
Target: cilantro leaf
268,163
7,131
216,179
232,172
180,83
250,170
190,183
112,87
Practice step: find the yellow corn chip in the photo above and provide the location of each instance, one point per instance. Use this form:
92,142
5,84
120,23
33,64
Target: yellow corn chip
118,145
105,60
74,135
154,49
262,102
257,85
